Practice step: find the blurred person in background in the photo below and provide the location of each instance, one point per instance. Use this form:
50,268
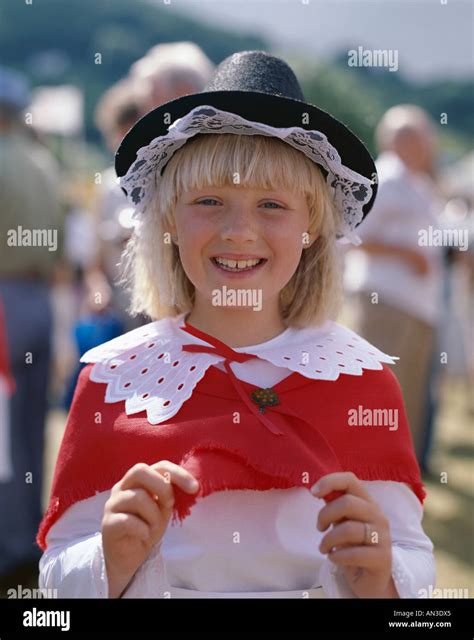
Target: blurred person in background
30,232
457,181
116,113
452,356
166,72
399,291
169,71
94,240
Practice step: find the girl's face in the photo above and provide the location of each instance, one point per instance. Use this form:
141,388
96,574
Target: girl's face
220,229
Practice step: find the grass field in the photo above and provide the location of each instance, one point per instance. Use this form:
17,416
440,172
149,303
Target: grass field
449,507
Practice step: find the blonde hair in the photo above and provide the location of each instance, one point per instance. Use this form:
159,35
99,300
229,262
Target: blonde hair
153,270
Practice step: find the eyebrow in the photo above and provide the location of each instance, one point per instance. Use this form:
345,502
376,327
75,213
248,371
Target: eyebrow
267,192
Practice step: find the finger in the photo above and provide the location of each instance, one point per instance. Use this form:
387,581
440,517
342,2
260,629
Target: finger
346,533
153,479
340,481
138,502
351,533
130,525
177,475
361,556
144,477
346,507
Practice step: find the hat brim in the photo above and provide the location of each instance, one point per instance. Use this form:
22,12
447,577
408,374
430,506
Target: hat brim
273,110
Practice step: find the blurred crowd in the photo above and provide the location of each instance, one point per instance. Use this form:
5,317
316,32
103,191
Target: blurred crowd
411,298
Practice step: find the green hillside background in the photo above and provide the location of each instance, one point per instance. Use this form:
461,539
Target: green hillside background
55,41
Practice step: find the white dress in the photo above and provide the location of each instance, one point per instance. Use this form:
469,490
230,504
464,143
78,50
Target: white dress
238,543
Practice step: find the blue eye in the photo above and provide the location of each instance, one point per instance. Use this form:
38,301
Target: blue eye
275,205
206,201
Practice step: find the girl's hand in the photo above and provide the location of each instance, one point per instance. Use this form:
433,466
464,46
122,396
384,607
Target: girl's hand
359,539
136,516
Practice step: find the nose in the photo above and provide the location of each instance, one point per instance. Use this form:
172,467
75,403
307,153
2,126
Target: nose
239,224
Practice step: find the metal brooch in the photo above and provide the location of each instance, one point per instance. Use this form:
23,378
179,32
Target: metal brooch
265,398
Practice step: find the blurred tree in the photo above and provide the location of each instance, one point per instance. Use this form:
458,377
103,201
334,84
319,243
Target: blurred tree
360,95
341,93
56,42
453,97
92,44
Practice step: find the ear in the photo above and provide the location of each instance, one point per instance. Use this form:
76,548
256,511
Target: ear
170,236
171,228
307,239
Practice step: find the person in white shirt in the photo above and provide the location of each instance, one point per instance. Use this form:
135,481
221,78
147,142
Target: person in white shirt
397,286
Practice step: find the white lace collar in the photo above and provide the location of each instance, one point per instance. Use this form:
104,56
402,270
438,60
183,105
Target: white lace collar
148,369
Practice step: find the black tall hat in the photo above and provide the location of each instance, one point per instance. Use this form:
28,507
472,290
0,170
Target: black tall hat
258,93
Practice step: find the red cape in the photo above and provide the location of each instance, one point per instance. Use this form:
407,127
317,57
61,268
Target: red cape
101,442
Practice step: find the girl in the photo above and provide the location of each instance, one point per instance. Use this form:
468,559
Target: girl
242,444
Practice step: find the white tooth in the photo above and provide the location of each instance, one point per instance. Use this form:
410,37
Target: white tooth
239,264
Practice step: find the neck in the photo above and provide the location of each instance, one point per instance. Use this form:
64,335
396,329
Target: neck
240,327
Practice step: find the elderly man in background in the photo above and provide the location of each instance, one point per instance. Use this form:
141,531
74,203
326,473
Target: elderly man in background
30,237
398,292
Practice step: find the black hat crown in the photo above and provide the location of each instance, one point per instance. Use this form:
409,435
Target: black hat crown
256,71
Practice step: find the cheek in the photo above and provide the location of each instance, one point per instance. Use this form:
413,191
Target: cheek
286,243
287,239
193,232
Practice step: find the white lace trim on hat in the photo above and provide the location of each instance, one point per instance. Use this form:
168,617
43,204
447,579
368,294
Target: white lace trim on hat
147,368
351,190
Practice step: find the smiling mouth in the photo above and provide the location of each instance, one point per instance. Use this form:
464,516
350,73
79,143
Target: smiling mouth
237,266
